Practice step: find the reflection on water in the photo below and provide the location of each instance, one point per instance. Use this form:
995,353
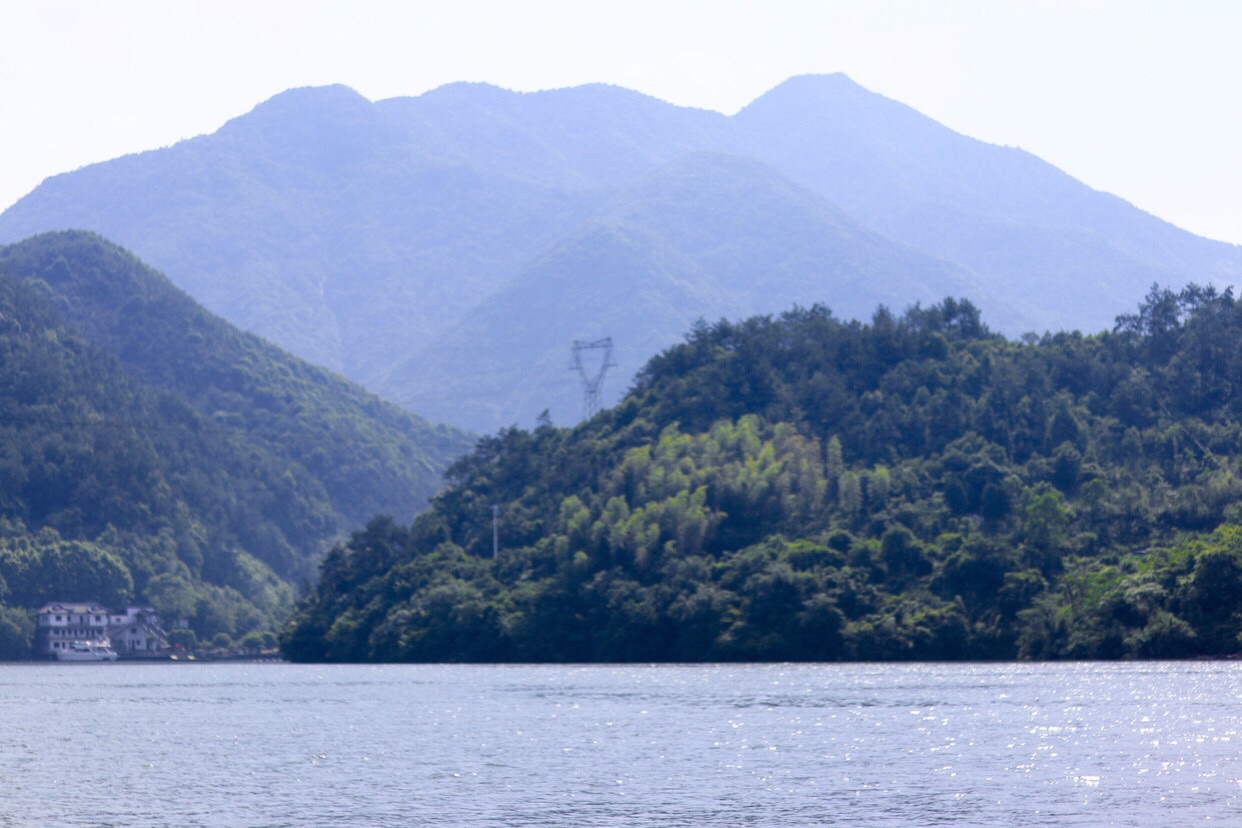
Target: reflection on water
286,745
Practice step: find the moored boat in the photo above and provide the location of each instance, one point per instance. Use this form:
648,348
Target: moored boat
86,651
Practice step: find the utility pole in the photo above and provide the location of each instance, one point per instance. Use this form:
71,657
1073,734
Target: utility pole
591,385
495,530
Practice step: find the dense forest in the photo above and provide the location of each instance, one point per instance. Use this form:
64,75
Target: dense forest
150,451
809,488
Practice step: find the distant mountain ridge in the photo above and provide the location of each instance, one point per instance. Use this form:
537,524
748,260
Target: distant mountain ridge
438,249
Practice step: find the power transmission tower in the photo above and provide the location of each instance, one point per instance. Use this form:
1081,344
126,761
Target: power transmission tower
592,385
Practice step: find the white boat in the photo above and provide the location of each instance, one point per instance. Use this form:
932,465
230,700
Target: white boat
87,651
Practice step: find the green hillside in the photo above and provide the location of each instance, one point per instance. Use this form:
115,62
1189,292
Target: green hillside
150,451
804,487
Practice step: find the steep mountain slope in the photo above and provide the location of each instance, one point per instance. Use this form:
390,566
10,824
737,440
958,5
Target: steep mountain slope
371,455
367,237
706,236
199,456
1063,255
312,221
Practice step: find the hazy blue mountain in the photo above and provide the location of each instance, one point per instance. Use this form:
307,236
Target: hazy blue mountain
383,240
586,137
1061,254
312,221
707,236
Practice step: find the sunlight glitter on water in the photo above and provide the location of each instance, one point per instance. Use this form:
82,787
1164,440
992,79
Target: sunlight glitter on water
275,745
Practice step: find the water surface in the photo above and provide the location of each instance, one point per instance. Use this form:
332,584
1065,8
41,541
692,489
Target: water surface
1133,744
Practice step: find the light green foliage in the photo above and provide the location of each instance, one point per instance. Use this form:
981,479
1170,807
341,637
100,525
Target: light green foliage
17,629
44,567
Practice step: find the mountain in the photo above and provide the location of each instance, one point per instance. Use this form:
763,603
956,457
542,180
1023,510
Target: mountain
1062,255
803,487
398,242
195,466
706,236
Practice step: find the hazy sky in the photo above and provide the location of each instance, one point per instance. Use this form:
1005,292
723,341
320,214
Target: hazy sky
1138,98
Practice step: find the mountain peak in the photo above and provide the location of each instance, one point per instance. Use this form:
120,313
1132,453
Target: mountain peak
318,125
304,105
463,91
834,95
302,98
818,81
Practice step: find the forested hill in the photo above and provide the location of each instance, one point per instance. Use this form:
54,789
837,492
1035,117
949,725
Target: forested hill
807,488
151,451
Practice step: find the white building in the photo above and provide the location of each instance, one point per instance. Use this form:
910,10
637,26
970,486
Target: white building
137,632
134,632
62,622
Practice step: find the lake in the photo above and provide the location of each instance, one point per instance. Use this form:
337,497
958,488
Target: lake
1125,744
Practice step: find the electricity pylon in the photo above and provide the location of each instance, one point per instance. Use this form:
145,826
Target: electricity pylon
592,385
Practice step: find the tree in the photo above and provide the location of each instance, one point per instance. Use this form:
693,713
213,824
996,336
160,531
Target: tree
1044,527
17,630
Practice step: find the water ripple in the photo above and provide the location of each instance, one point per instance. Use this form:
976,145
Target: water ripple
718,745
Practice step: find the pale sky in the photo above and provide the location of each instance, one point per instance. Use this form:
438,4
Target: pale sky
1140,98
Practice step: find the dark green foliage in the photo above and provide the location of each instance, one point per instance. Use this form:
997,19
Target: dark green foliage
149,451
183,638
808,488
337,440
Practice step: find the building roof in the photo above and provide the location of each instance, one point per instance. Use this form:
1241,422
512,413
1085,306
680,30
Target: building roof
71,607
